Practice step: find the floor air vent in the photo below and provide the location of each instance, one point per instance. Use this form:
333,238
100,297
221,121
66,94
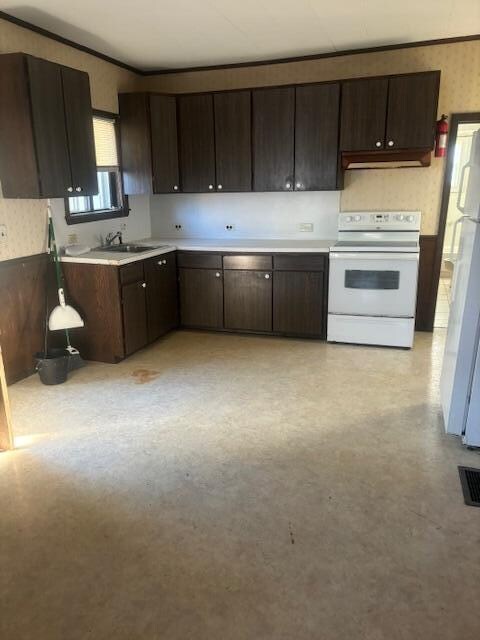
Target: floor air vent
470,479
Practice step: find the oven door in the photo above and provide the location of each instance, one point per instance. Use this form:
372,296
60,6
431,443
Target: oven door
373,284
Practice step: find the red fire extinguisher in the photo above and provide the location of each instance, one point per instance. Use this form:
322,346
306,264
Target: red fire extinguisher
441,137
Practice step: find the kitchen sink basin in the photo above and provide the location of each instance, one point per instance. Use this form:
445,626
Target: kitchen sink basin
127,248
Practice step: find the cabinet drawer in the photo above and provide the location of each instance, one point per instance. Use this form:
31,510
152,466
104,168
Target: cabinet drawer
259,263
131,272
199,260
301,262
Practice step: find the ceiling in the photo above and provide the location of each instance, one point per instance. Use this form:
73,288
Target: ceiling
163,34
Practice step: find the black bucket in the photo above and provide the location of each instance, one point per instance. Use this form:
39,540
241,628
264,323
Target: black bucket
53,366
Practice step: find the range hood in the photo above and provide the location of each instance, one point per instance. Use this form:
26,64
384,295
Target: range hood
386,159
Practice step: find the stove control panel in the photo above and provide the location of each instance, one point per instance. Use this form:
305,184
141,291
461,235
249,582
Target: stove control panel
380,221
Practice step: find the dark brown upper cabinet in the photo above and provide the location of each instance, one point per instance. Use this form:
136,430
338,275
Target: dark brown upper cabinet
46,130
317,112
148,131
364,109
412,111
197,142
163,120
273,139
233,145
78,117
389,113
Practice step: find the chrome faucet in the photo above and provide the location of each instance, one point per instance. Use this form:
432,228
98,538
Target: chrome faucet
111,237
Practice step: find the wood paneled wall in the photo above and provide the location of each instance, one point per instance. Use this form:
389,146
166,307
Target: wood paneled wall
426,284
23,284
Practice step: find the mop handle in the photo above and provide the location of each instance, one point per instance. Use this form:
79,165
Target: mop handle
52,246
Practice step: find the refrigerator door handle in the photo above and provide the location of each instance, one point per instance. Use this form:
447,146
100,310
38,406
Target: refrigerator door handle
460,187
454,233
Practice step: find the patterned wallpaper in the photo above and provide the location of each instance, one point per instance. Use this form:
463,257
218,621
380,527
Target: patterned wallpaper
413,188
26,219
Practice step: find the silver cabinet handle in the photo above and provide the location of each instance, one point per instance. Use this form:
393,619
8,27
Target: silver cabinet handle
220,187
288,185
164,262
78,188
144,285
70,189
390,143
378,143
298,185
267,276
217,274
175,187
210,186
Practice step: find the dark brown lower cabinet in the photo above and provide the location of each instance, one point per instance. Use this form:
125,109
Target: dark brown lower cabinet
201,298
134,306
298,303
162,295
124,308
248,300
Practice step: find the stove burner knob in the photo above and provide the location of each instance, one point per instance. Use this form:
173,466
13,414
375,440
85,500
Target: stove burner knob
348,219
400,218
358,218
410,218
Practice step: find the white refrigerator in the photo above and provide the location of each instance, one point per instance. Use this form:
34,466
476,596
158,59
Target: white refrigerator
460,378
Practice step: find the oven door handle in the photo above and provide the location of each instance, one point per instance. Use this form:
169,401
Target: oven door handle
360,255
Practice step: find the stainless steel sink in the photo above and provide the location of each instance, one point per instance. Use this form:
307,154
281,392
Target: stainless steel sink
127,248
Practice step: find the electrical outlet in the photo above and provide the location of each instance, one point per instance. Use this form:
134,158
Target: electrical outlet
178,227
123,226
305,226
229,227
3,233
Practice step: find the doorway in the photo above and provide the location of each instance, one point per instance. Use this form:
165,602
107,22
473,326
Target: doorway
462,128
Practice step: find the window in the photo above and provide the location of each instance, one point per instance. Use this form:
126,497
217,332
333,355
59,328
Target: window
110,201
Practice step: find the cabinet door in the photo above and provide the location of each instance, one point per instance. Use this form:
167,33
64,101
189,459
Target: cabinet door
49,130
364,109
79,121
248,300
316,137
134,316
162,299
412,111
298,303
233,145
197,148
201,298
136,143
273,138
163,118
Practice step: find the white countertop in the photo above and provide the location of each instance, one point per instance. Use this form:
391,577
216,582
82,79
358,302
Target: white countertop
167,245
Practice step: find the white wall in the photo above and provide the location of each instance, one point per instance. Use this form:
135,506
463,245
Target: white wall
255,215
134,226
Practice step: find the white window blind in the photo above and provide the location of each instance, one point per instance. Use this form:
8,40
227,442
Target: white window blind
105,142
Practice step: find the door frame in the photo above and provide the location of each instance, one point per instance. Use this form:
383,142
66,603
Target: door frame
455,120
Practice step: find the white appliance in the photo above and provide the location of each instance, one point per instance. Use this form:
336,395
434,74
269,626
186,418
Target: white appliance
460,379
373,278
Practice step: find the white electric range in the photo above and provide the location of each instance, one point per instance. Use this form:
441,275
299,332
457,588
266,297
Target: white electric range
373,278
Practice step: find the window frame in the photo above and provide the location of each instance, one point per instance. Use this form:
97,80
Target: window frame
103,214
